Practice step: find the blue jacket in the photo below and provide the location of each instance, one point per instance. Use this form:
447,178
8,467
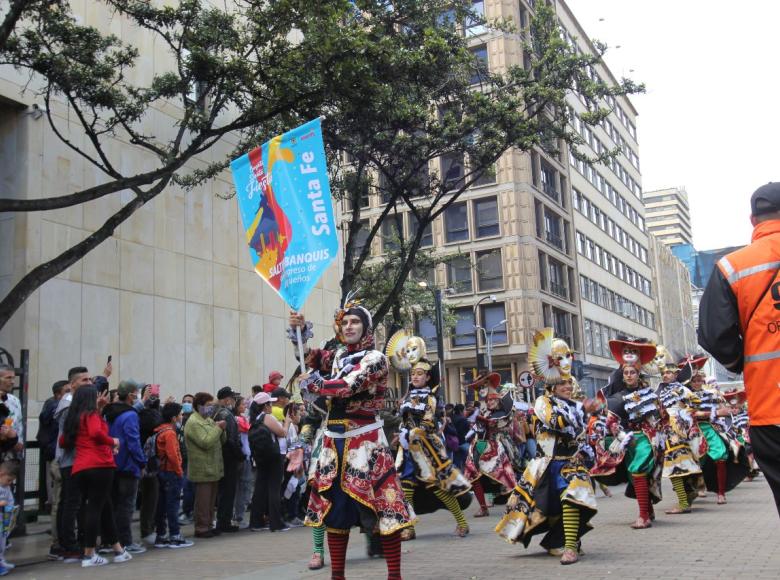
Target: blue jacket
123,423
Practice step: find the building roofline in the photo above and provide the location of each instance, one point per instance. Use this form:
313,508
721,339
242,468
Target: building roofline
584,36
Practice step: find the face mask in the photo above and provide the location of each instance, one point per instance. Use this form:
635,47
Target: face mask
207,410
186,408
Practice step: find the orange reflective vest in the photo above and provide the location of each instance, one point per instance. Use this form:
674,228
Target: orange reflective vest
753,273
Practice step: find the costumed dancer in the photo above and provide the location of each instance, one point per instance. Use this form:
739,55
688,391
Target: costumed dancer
555,494
355,482
680,464
428,476
488,464
723,467
737,399
635,453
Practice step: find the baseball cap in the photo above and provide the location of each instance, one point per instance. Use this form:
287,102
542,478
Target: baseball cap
281,393
226,392
263,398
765,199
275,375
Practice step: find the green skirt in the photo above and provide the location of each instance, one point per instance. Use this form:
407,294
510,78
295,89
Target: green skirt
640,458
716,448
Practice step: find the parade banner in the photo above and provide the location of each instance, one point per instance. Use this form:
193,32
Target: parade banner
285,203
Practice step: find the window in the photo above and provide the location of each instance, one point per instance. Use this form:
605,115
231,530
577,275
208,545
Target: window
557,278
459,275
486,217
580,243
464,327
552,229
361,237
392,232
588,336
596,339
548,181
474,26
427,238
452,170
543,270
489,272
584,288
494,322
456,223
480,65
425,328
561,324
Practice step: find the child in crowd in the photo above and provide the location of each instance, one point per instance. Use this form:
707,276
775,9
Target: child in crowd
8,472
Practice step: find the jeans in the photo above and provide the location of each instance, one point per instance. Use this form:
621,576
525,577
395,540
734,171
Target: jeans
148,489
461,454
168,503
226,494
244,489
98,513
68,512
267,497
123,495
56,490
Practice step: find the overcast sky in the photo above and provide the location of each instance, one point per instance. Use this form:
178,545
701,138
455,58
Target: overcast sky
711,112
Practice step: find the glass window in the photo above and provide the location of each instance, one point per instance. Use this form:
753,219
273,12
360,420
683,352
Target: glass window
580,243
474,24
605,341
489,272
456,223
588,336
425,328
427,238
486,217
494,319
480,66
596,339
459,274
464,327
557,283
361,237
561,324
452,170
392,232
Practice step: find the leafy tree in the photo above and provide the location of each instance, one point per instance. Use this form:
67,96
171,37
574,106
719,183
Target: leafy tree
436,101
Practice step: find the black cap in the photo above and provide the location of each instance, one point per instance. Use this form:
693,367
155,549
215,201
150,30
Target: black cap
280,392
766,199
226,392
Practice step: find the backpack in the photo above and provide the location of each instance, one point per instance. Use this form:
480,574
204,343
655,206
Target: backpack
152,460
262,443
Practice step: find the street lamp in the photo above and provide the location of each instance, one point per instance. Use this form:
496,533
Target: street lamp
477,328
437,298
490,344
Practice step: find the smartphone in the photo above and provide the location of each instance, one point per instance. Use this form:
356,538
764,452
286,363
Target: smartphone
154,390
108,362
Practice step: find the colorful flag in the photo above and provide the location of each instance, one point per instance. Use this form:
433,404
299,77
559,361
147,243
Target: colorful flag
284,199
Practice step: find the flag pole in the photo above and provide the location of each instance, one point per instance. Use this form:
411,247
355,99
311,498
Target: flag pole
300,349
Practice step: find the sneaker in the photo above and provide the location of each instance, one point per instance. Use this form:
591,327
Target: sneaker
150,538
4,571
231,529
285,528
242,525
180,541
124,556
55,553
7,564
135,548
105,549
295,523
161,542
95,560
184,519
71,557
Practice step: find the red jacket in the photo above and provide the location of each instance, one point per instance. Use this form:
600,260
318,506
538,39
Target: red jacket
94,447
168,451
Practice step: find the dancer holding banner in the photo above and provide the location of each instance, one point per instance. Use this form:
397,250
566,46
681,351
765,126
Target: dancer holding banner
355,482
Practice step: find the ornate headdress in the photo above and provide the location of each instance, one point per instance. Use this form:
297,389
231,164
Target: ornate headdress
353,307
550,357
645,350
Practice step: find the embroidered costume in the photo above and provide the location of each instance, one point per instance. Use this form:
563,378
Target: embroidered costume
555,494
489,461
428,476
354,481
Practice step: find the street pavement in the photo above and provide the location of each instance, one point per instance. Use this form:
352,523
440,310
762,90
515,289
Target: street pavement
739,539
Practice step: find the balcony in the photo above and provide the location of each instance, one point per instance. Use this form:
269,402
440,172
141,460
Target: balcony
559,290
554,239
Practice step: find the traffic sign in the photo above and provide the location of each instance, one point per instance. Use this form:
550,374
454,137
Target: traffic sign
525,380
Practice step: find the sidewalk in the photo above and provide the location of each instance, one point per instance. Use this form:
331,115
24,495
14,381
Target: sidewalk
735,540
